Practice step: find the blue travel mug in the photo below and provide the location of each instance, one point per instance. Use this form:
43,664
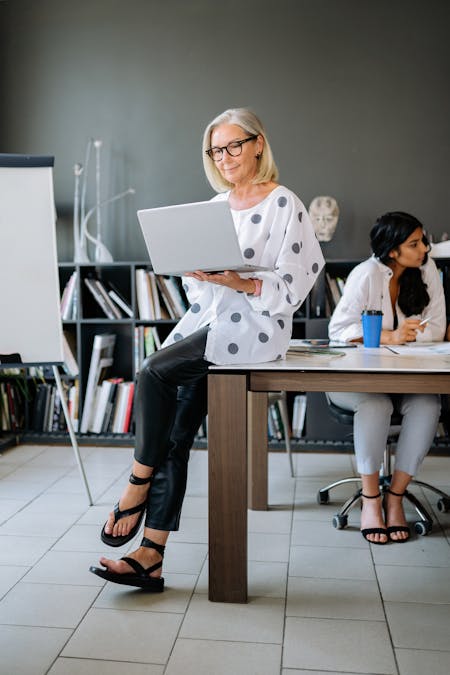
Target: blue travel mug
371,325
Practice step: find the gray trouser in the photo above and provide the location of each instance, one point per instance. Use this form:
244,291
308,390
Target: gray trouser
371,422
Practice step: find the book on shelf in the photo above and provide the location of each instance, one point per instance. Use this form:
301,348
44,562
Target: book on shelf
116,313
69,351
298,415
103,401
94,287
101,360
165,295
144,295
117,297
68,298
122,412
176,296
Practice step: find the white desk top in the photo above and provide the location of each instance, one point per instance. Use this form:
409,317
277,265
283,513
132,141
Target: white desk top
360,359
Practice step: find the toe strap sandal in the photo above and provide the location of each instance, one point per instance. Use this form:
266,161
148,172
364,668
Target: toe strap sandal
120,540
141,576
374,530
395,529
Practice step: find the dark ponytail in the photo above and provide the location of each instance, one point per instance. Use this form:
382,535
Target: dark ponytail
389,231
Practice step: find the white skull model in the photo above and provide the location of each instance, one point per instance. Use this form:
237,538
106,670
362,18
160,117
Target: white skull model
324,213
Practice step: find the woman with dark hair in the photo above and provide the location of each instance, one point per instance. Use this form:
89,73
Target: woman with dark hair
233,318
403,282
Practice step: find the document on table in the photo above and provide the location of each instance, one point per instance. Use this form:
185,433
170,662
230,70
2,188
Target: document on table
421,349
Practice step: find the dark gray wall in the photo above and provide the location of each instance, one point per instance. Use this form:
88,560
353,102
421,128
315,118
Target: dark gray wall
354,94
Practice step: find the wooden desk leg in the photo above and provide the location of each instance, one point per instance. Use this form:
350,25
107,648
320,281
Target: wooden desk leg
227,461
257,451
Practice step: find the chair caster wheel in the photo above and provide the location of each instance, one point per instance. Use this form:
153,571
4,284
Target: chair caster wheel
340,522
423,527
443,504
323,497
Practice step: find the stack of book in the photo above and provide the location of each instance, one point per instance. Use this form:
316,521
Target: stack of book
11,406
113,405
146,341
47,414
158,297
275,423
101,361
113,304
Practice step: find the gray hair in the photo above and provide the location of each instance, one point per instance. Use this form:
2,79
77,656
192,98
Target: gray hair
249,122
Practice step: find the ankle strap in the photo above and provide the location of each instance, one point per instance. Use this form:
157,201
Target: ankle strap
148,543
396,494
136,480
370,496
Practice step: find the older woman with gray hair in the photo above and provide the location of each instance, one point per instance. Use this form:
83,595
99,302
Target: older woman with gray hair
233,318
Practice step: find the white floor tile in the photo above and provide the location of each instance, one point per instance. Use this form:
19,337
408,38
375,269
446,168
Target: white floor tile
261,620
265,579
204,657
178,589
419,626
65,666
323,644
124,635
414,584
47,605
331,563
69,568
416,662
334,599
30,650
27,551
273,548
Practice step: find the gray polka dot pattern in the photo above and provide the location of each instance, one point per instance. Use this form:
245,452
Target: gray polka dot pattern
280,323
195,308
279,357
185,288
282,201
288,278
315,268
236,317
177,337
256,218
288,299
300,216
296,247
265,313
249,253
233,348
263,337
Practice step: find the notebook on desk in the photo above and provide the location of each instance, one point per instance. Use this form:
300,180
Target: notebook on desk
189,237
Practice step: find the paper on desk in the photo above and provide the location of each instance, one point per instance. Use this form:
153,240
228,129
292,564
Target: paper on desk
421,349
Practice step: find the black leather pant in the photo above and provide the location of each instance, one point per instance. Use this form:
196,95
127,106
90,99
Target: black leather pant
171,402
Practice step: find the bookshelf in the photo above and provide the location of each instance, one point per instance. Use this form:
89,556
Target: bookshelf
88,320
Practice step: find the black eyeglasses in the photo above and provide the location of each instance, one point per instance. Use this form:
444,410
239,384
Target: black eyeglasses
234,149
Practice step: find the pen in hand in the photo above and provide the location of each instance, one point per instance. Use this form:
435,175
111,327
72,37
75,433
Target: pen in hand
424,321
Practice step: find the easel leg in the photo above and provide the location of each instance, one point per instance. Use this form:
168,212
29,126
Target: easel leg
71,432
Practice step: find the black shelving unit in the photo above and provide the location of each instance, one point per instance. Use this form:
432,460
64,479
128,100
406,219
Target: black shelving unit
311,320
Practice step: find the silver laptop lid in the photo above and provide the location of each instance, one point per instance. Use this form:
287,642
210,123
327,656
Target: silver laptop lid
189,237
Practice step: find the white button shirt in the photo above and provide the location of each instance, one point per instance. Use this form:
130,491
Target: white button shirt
276,233
367,287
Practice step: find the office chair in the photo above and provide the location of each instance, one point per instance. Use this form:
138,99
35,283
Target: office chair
280,396
340,520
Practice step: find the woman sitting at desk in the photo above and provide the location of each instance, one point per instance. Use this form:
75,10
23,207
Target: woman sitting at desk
232,319
402,281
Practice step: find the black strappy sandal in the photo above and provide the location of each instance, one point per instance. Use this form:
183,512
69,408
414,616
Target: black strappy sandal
374,530
140,577
393,529
118,514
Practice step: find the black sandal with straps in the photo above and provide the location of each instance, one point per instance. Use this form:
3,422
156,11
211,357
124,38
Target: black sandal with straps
141,575
374,530
120,540
394,529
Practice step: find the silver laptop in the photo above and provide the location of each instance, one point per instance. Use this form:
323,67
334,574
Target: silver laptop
189,237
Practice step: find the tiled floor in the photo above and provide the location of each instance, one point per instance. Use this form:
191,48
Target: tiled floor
321,600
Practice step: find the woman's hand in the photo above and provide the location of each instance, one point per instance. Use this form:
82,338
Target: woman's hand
406,332
227,278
